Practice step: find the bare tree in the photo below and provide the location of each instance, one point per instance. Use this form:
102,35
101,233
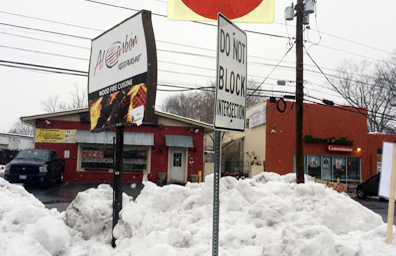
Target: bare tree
51,104
364,85
200,105
79,99
21,128
386,73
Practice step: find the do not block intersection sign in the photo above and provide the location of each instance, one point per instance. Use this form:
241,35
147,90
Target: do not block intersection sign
231,78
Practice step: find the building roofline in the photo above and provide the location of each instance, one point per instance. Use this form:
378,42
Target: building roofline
16,134
206,126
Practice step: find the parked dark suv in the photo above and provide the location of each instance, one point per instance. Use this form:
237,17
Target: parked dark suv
369,187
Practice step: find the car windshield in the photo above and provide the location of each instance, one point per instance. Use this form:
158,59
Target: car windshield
33,154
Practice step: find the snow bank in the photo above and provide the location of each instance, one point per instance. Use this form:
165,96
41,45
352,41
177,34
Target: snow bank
269,215
26,227
91,213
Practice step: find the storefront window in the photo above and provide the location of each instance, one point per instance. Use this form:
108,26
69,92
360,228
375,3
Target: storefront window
101,158
326,168
97,158
353,168
331,168
314,169
339,168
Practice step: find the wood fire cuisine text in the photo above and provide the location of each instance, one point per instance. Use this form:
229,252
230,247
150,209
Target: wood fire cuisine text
114,53
116,107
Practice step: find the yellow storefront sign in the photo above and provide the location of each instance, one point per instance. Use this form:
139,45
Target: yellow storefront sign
56,135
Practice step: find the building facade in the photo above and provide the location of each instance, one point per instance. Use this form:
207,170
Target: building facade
169,151
337,146
13,141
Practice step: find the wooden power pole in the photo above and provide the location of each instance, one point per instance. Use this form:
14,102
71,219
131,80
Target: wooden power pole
299,92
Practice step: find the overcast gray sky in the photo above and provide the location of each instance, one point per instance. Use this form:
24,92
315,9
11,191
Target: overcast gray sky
353,29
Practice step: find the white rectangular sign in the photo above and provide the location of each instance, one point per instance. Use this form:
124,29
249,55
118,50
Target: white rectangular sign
385,180
231,80
117,55
257,117
123,74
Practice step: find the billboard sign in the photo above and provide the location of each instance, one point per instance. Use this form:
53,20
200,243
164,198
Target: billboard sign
55,135
231,78
123,73
257,116
388,156
253,11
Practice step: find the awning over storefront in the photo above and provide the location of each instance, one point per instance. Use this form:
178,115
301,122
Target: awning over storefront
179,141
130,138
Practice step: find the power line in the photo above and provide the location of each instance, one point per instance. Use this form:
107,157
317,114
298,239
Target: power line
45,31
45,40
41,66
51,21
332,83
274,67
46,53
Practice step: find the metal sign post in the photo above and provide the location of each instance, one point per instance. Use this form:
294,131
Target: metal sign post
122,86
216,194
117,177
230,102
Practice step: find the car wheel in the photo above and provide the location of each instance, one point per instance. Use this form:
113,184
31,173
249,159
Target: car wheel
361,193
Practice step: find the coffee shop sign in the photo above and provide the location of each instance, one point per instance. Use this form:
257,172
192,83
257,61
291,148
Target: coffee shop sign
331,140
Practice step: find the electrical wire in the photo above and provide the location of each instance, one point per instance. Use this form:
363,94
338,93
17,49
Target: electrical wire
51,21
357,109
46,53
274,68
45,31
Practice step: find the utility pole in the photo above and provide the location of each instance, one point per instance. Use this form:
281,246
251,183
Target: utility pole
299,92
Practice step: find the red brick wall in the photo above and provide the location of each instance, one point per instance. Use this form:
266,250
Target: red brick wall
319,121
159,160
375,141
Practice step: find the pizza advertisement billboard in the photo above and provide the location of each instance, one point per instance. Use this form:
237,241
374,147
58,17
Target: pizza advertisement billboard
123,74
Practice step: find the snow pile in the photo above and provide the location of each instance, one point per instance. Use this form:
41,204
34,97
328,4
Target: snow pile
91,213
269,215
26,227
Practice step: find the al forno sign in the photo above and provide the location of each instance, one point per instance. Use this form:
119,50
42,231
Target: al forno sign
123,74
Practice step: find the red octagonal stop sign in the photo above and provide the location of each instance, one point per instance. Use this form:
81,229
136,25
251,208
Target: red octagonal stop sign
232,9
255,11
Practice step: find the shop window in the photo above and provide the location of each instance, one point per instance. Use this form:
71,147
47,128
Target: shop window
101,158
339,168
353,168
177,159
331,168
314,167
326,168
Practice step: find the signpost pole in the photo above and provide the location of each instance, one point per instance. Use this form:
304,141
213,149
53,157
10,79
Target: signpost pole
216,192
391,202
117,178
230,100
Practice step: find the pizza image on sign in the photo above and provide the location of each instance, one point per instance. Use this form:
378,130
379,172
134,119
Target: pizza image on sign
252,11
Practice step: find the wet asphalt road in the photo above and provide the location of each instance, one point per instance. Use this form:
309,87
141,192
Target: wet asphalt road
59,196
377,206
